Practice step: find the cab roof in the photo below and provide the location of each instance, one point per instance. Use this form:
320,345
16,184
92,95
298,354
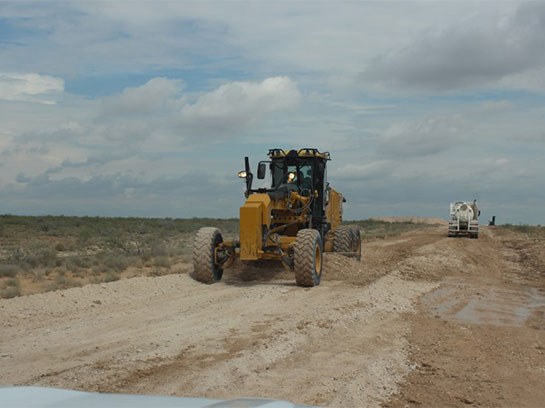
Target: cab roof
302,153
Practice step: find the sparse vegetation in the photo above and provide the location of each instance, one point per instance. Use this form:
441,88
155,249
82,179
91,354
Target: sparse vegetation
56,252
533,230
381,229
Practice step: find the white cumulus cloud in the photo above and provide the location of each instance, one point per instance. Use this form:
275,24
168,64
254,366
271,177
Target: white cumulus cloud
29,87
243,102
154,94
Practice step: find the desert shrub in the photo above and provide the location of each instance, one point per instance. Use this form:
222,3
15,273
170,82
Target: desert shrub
115,242
111,277
12,289
158,249
117,262
17,255
159,272
161,261
40,257
62,282
99,269
71,265
10,292
60,247
38,275
8,270
145,256
84,236
74,263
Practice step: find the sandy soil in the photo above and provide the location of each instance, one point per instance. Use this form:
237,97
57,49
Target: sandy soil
423,320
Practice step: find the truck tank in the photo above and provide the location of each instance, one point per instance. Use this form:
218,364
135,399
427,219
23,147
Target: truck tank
463,219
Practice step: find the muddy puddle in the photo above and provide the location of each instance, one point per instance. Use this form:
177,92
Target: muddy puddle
464,302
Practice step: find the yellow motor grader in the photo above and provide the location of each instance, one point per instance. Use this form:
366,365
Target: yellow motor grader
293,221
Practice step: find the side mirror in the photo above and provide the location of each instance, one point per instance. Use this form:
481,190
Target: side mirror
261,170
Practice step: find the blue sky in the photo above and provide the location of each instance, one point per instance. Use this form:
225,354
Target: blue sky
148,108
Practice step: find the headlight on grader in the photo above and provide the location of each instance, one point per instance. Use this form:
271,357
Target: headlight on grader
291,177
242,174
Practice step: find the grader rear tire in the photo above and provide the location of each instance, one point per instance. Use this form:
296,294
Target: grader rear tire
356,242
308,258
342,240
205,270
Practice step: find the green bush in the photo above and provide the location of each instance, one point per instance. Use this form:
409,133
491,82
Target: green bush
162,261
117,262
14,282
111,277
74,263
10,292
158,249
60,247
8,270
12,289
46,257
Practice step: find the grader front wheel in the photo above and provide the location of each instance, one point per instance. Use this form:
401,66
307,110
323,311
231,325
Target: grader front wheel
308,258
205,269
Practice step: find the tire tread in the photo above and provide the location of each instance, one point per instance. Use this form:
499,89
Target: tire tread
203,255
304,253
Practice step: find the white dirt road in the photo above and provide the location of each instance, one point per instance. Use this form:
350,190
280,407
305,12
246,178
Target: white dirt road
345,343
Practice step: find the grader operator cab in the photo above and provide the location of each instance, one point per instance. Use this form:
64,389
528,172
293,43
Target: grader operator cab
294,220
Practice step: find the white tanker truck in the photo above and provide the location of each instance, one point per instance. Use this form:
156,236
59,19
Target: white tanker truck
464,219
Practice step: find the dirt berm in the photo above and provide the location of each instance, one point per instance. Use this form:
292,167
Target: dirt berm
423,320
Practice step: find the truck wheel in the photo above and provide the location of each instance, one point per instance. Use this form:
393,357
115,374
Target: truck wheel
205,269
308,258
342,240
